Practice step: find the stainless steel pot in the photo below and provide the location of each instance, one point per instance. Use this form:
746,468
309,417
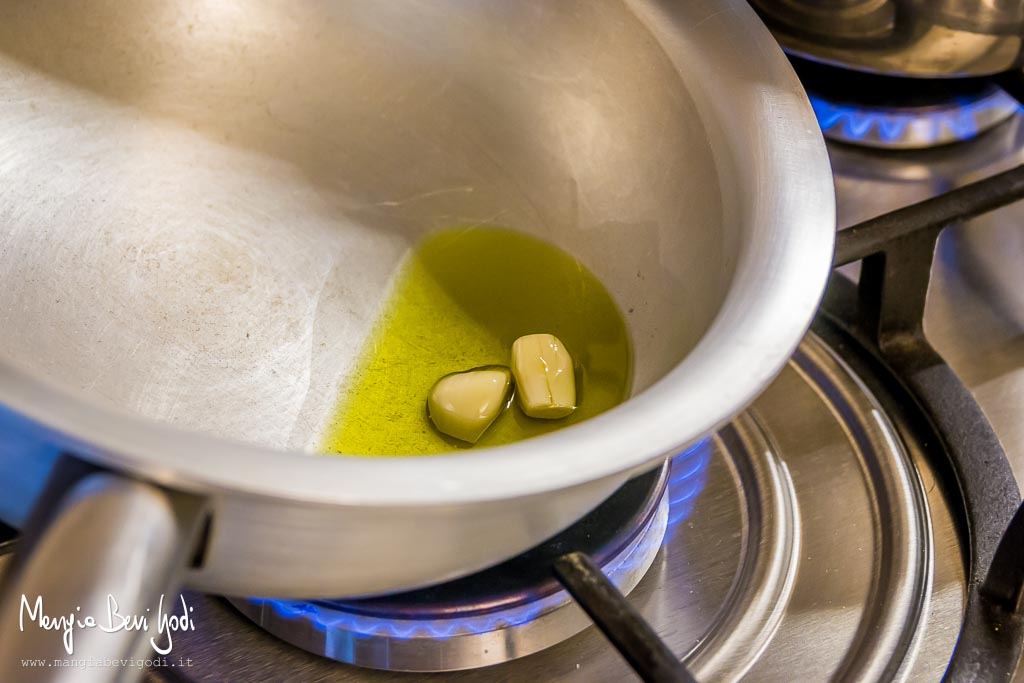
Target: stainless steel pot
922,38
201,204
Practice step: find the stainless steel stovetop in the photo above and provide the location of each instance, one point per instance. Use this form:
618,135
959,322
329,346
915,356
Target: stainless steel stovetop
806,541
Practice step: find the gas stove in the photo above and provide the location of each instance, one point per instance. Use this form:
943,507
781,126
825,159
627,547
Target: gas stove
770,529
824,534
819,535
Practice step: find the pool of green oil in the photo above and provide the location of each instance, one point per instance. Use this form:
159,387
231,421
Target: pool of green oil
458,302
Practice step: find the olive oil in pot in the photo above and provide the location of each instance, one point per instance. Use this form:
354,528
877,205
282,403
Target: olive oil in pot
458,302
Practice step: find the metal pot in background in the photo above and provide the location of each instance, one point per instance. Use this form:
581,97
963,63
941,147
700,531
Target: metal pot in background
920,38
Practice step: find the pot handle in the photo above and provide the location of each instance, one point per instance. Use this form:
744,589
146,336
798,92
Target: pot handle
98,549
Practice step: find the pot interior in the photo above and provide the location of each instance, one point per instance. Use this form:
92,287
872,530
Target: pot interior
203,204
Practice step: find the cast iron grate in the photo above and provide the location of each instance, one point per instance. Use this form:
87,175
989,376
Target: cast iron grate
885,316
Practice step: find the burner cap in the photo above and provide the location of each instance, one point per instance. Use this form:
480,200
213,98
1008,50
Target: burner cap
901,113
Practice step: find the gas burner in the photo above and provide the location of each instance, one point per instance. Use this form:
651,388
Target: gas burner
901,113
811,508
860,521
508,611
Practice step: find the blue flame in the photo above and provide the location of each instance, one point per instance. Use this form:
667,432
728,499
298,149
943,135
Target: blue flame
854,123
687,477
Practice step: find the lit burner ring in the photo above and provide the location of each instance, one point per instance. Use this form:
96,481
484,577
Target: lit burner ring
431,630
913,129
872,110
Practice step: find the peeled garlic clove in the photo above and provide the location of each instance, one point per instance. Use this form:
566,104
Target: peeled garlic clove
464,404
545,382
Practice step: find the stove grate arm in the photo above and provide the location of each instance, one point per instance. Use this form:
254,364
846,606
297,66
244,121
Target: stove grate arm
633,637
